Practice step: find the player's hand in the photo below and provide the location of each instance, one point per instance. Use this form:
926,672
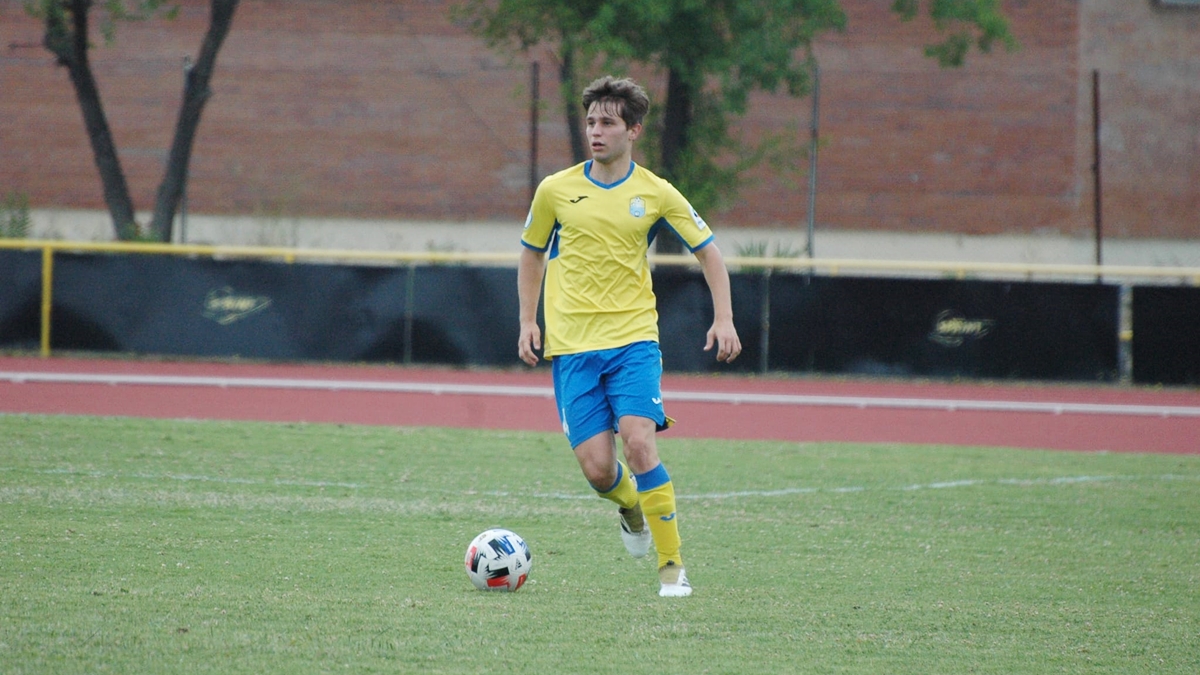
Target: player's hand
529,343
725,337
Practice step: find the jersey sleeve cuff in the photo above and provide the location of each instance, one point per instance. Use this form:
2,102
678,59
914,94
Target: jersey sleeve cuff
702,244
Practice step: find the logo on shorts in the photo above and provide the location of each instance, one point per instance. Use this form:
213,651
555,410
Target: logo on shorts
637,207
566,429
656,401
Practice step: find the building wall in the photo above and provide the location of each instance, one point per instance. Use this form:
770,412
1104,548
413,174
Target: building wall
388,110
1147,56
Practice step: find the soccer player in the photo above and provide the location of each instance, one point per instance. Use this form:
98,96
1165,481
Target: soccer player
597,220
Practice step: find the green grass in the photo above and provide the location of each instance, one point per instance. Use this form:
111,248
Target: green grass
136,546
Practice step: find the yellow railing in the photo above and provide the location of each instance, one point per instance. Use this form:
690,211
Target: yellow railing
289,255
830,266
960,269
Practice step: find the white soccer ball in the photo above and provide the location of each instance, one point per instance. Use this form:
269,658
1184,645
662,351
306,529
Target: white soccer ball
498,560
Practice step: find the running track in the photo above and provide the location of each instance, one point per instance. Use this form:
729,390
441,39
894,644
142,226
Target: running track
1090,418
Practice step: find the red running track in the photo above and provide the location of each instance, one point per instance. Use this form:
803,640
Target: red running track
1089,418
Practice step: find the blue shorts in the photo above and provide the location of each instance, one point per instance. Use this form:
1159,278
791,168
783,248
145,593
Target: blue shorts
596,389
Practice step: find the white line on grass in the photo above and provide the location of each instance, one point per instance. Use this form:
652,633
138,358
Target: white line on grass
781,492
184,477
785,492
734,398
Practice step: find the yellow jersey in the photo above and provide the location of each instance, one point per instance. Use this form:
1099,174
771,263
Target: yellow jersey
598,293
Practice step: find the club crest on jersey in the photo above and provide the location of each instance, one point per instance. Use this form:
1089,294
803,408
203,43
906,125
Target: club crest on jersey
637,207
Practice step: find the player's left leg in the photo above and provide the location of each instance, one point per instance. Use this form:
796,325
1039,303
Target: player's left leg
655,490
656,493
633,388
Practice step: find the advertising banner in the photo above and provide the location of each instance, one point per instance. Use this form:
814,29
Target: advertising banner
461,315
944,328
171,305
465,316
1166,335
20,299
685,313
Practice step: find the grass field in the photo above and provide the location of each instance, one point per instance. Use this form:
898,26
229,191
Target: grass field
136,546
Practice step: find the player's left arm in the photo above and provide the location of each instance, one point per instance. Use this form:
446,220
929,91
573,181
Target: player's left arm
722,333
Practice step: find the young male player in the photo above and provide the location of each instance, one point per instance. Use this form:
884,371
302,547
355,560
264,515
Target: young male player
598,220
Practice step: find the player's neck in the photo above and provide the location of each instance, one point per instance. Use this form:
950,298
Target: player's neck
612,171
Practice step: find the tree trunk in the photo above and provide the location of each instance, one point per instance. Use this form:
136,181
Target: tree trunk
69,44
196,93
571,99
677,120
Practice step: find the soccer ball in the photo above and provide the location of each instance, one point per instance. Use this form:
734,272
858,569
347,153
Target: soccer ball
498,560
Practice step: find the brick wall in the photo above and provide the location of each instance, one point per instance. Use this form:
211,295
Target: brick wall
1148,60
389,110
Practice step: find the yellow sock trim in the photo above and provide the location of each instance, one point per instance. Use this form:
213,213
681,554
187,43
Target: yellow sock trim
659,506
625,493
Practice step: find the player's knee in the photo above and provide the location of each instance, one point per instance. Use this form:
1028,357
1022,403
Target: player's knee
641,453
600,475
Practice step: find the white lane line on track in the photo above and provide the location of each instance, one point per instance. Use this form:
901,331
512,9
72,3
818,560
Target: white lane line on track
732,398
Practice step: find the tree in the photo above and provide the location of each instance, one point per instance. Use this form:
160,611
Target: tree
978,22
526,23
714,53
68,38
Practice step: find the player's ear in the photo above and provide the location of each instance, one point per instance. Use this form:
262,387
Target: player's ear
635,131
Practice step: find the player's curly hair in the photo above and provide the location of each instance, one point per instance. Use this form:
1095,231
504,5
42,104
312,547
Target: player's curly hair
631,97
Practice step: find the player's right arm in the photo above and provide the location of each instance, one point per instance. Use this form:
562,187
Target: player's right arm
530,270
536,240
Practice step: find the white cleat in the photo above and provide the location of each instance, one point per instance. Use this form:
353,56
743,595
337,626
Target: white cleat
674,582
637,543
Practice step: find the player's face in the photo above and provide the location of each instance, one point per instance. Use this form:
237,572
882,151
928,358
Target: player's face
610,138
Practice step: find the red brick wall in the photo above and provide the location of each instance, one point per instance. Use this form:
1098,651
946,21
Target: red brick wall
389,110
1148,59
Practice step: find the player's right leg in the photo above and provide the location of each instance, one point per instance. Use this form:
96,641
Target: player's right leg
597,462
588,423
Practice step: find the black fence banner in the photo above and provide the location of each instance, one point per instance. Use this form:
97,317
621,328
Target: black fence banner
944,328
465,316
20,299
1166,335
200,307
468,316
685,313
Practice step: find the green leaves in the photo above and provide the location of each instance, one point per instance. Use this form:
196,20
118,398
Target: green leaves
62,13
15,222
720,51
973,22
123,10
